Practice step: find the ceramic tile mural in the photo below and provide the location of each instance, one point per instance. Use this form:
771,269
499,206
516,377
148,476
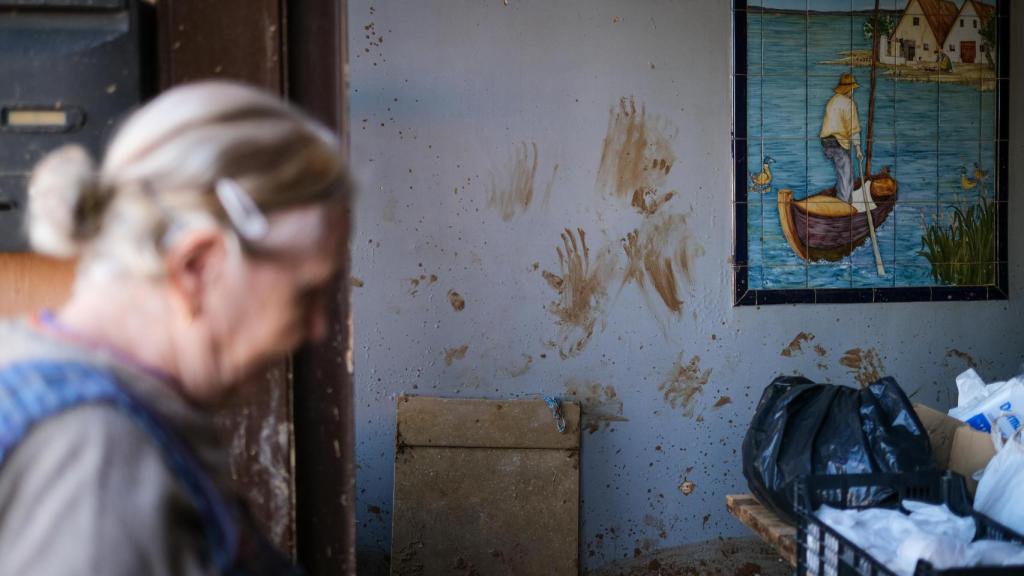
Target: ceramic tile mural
870,148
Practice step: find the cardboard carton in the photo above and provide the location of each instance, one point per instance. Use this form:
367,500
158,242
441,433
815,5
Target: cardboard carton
956,445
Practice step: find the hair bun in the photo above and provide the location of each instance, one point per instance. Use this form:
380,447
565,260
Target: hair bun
65,202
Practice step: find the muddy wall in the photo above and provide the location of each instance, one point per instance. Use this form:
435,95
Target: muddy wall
546,209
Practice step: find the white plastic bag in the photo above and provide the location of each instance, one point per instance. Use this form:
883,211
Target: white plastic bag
1000,494
980,405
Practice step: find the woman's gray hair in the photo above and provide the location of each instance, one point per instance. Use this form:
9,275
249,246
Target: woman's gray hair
206,154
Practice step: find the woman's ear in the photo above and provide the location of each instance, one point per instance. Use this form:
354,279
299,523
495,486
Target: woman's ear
195,260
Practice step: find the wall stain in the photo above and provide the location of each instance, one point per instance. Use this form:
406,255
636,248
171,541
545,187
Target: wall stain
518,371
684,383
820,350
637,156
549,187
795,345
456,300
581,287
357,283
723,401
687,487
599,404
967,358
865,365
659,254
512,193
453,354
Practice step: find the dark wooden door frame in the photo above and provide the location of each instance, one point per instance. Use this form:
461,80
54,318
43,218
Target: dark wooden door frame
305,492
316,55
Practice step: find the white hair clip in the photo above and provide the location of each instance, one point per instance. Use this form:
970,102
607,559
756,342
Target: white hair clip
245,216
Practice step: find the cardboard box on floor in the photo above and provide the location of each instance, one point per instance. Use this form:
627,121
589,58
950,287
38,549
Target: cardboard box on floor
956,445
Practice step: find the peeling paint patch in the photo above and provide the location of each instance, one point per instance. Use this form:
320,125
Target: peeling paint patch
511,193
865,365
967,358
581,287
599,404
684,383
456,300
637,156
453,354
796,344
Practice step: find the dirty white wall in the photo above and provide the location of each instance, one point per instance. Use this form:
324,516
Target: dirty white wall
461,108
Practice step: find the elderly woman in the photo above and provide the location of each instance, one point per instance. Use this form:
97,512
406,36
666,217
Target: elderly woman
206,245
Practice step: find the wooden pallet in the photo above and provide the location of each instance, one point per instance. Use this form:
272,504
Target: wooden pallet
765,523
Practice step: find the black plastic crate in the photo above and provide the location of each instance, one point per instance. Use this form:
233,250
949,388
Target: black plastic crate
821,551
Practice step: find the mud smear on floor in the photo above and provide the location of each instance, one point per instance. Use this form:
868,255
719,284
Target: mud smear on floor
581,286
599,404
511,192
865,365
637,157
796,345
453,354
684,383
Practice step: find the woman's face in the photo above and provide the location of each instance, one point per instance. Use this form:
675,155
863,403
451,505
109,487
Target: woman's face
274,298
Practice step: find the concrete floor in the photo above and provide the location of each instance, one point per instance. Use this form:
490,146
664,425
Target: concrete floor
725,557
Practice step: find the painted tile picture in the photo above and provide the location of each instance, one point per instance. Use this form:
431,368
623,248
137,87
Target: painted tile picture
870,144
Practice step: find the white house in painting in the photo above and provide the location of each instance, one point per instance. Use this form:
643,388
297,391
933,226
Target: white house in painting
965,44
921,30
929,25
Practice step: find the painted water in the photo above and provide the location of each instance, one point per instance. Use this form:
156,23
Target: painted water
924,131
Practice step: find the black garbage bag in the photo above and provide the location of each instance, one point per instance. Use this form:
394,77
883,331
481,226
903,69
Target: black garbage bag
803,428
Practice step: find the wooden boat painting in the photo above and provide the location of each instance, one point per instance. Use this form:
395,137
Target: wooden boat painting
823,227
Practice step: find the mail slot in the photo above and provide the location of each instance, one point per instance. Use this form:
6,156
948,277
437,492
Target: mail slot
72,69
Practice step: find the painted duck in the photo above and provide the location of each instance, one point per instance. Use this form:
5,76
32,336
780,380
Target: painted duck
762,182
965,182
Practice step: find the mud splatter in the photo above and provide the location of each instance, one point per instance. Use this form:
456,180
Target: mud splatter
453,354
512,193
647,202
723,401
581,287
357,283
796,345
820,351
521,369
684,383
637,156
600,405
456,300
865,365
660,253
549,187
687,487
967,358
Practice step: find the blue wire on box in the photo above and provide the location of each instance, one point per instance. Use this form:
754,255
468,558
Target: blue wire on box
556,412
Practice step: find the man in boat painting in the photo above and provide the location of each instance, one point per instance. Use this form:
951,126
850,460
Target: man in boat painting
840,129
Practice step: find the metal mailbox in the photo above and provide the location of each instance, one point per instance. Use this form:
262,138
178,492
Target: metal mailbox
71,69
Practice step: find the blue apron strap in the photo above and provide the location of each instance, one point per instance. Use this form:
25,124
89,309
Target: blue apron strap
33,391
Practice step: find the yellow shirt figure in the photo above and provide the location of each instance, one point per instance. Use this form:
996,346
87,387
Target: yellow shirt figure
841,120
